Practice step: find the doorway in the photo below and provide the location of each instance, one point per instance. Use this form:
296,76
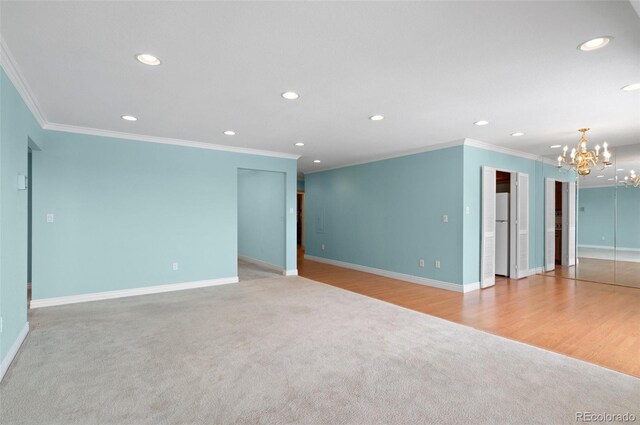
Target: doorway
504,225
560,224
29,223
300,220
261,224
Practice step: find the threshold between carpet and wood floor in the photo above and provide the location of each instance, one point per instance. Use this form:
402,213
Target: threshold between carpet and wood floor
288,350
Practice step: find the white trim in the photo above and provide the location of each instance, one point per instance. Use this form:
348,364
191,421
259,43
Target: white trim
11,354
97,296
499,149
423,149
446,145
10,66
609,248
467,287
262,264
293,272
163,140
531,272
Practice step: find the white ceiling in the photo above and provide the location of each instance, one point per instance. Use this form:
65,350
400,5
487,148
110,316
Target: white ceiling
431,68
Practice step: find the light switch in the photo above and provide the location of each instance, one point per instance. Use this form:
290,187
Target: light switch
22,182
49,218
445,218
291,210
468,210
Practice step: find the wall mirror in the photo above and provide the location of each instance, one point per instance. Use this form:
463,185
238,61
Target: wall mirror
607,224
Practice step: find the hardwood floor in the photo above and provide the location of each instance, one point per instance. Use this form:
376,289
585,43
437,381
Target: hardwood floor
594,322
625,273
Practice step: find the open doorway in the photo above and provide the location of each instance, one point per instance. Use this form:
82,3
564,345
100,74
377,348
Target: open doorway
261,224
504,225
560,224
300,220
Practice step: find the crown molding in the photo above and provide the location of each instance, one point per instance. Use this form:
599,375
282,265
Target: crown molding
499,149
164,140
423,149
10,66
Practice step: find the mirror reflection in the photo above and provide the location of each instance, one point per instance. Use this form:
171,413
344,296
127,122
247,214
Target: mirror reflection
607,223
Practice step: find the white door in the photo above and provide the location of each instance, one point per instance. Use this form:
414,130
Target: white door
522,225
549,225
569,224
488,243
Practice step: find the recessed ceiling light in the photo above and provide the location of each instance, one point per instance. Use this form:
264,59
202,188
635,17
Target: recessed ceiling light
595,43
619,169
290,95
317,161
129,118
600,176
611,179
631,87
376,117
299,144
518,134
481,122
148,59
555,146
229,133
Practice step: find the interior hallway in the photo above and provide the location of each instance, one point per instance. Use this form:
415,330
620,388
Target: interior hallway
594,322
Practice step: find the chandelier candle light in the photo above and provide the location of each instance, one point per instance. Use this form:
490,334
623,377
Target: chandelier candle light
632,180
581,159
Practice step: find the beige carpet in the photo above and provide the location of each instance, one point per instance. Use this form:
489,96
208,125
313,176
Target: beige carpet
288,351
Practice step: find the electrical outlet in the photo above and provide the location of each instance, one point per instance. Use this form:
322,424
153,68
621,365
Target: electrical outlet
174,266
445,218
468,210
323,247
50,218
421,263
0,324
437,264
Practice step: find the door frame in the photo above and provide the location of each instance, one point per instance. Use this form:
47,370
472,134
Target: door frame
513,210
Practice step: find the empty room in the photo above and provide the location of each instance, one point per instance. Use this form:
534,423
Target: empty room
319,212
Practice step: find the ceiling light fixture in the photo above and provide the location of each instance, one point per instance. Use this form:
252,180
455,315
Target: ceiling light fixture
518,134
376,117
632,87
555,146
148,59
290,95
595,43
299,144
129,118
581,159
229,133
481,122
317,161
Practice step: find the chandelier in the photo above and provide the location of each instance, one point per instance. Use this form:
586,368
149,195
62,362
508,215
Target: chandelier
632,179
581,159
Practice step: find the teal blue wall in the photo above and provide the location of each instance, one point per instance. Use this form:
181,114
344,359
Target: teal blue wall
17,125
125,211
474,160
388,214
610,213
300,185
261,216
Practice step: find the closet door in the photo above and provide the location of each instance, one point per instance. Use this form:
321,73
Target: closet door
488,243
522,225
549,225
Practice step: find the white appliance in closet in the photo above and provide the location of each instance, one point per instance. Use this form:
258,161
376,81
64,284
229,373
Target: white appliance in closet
502,234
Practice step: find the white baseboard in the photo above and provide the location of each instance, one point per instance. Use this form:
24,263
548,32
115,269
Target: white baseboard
609,248
533,271
262,264
293,272
6,362
97,296
400,276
